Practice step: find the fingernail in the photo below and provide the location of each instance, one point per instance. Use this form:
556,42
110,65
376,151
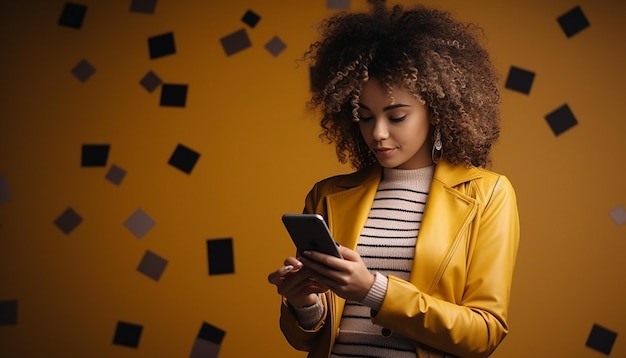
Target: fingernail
288,267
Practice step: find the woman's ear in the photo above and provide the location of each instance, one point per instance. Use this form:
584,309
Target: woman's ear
431,116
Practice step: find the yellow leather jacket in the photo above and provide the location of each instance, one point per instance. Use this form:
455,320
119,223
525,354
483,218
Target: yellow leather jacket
457,297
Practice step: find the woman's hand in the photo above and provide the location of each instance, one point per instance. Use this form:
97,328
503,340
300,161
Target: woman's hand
348,278
293,282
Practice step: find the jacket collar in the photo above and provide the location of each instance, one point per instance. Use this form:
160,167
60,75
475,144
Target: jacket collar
353,203
453,175
446,173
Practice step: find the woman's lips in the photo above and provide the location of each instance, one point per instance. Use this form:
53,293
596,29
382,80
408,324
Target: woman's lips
383,151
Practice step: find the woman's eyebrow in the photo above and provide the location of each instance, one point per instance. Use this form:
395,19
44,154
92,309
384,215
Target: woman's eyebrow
387,108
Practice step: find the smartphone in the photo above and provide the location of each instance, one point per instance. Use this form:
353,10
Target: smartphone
309,232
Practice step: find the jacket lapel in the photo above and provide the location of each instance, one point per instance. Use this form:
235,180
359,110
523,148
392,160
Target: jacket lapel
347,210
447,216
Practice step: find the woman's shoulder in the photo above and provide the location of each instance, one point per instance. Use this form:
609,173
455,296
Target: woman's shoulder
315,199
348,180
485,180
493,177
453,174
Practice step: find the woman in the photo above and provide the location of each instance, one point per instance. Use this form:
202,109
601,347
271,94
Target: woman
428,236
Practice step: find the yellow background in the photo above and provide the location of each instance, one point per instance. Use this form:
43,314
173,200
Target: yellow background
260,154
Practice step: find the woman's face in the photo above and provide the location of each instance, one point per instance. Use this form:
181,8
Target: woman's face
397,133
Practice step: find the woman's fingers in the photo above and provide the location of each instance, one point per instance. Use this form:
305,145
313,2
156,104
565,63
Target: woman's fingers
325,265
295,284
290,264
348,277
275,276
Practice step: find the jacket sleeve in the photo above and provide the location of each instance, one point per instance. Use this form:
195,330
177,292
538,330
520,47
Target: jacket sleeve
473,323
298,337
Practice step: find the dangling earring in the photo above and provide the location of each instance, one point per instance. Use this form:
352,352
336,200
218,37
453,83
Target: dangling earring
437,151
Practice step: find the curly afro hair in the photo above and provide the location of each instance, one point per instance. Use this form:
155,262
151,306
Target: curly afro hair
422,50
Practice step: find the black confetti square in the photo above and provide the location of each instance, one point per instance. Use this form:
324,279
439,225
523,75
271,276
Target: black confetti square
573,21
150,81
220,254
211,333
83,70
235,42
208,343
174,95
601,339
251,18
561,120
68,221
519,80
152,265
143,6
94,155
127,334
8,312
184,158
72,15
161,45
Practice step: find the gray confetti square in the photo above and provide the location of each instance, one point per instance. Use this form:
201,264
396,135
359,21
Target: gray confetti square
338,4
275,46
139,223
115,174
152,265
150,81
143,6
618,215
204,349
83,71
68,221
208,342
235,42
5,193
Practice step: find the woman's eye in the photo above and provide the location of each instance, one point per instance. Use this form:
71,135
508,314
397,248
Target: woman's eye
364,118
397,119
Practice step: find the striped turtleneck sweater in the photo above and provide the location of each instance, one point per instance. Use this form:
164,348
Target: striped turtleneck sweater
387,246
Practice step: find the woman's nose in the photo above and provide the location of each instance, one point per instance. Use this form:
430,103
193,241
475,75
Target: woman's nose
380,130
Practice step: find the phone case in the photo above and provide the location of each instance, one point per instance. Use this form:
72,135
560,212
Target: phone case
309,232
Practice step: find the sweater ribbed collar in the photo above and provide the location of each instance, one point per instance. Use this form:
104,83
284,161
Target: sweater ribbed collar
420,177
